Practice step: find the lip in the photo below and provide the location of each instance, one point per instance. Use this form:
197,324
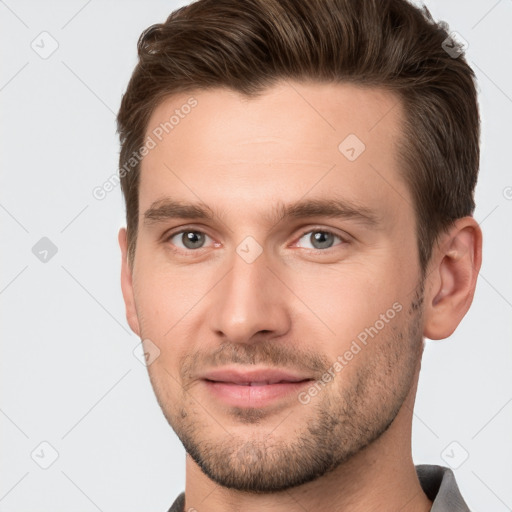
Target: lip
253,388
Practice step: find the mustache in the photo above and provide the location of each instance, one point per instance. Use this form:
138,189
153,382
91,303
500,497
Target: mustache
265,353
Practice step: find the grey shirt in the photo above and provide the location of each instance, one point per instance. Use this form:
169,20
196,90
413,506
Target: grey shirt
438,484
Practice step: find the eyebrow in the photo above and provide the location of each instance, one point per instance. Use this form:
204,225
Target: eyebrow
165,209
168,208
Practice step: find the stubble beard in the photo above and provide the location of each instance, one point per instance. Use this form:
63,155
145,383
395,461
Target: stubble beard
345,418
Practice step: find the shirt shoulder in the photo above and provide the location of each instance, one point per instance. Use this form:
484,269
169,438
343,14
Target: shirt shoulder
440,486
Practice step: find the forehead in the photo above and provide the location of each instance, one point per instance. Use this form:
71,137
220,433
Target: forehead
293,139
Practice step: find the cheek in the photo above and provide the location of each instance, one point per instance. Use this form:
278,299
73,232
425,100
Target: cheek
165,295
169,304
346,299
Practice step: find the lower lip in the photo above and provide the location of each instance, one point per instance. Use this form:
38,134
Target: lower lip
253,396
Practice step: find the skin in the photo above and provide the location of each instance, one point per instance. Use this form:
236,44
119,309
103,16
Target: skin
296,306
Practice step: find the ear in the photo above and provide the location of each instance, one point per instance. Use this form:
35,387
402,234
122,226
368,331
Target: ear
451,279
127,284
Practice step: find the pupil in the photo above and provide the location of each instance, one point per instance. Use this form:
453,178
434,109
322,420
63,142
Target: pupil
321,239
192,239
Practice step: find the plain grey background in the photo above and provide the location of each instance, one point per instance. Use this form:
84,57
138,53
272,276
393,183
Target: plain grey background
69,376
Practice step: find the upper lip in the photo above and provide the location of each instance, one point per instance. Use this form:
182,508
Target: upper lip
264,375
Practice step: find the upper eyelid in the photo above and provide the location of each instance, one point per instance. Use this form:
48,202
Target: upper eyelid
170,233
183,229
322,230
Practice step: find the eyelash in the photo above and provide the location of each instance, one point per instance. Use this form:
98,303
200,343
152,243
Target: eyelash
343,240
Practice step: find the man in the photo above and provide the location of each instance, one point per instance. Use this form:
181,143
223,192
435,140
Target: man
299,178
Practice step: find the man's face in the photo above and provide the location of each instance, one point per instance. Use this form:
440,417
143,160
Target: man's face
303,281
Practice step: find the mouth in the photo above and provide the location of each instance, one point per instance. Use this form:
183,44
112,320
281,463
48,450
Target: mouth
253,388
262,383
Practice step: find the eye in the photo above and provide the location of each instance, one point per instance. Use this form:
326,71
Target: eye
189,239
318,239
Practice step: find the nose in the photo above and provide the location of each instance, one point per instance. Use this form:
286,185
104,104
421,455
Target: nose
249,303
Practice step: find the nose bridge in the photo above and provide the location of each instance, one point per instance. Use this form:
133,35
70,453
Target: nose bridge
248,300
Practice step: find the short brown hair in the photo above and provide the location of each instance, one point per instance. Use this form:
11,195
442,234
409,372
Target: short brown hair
249,45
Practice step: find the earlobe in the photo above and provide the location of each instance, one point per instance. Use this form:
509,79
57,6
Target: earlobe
452,278
127,284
